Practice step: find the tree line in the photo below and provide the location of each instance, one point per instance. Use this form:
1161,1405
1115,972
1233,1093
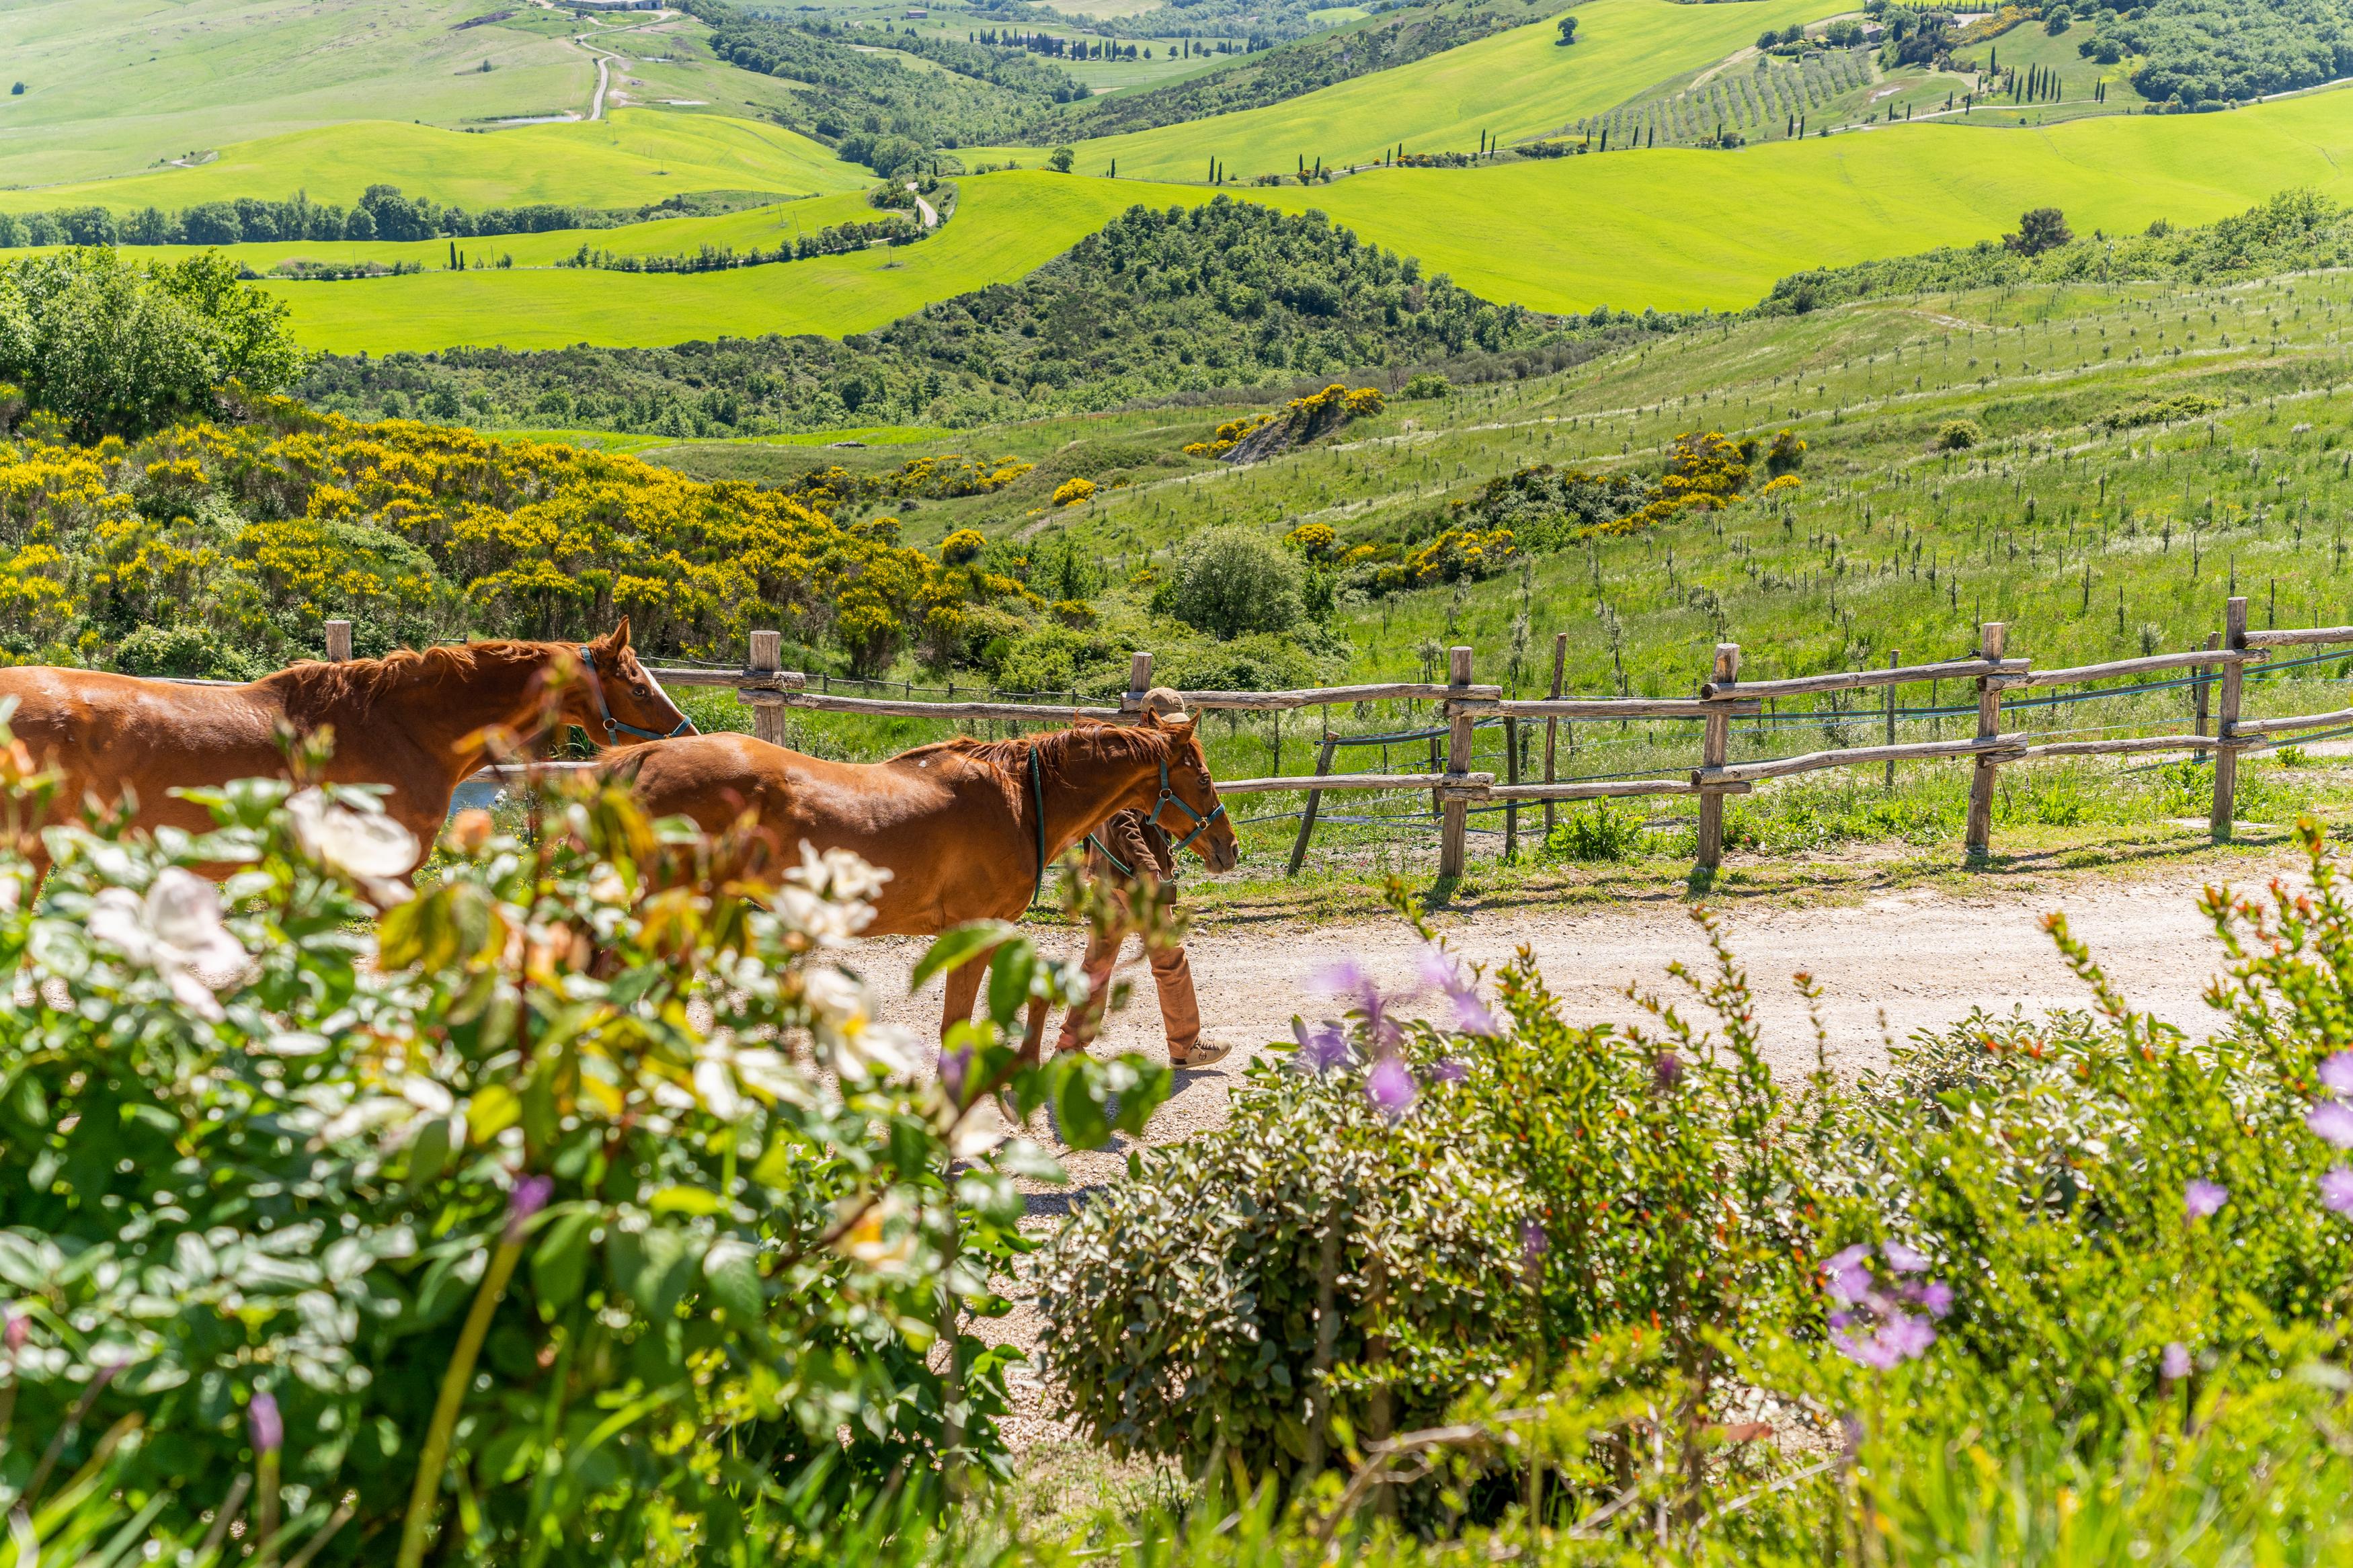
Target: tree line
837,240
382,213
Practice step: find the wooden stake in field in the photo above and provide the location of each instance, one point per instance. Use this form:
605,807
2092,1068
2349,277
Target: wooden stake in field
339,642
2226,755
1715,750
1895,660
1991,637
1454,810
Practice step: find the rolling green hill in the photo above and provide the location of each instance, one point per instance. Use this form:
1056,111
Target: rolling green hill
1559,236
634,155
114,86
1517,85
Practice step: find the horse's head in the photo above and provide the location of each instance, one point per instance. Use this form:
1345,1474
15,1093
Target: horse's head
1189,810
616,701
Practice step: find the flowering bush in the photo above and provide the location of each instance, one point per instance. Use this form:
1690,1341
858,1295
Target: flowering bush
586,1189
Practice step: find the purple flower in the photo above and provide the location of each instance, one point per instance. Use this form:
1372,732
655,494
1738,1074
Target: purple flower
2202,1198
20,1326
529,1197
1441,973
2176,1361
1850,1281
261,1416
1322,1049
1666,1072
1390,1086
1534,1243
954,1065
1901,1338
1448,1070
1348,980
2335,1193
1936,1298
1904,1260
2332,1120
2336,1071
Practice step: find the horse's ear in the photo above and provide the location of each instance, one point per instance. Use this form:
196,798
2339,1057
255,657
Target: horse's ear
617,638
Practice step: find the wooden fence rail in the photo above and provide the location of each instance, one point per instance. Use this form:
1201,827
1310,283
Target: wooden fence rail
1462,704
770,691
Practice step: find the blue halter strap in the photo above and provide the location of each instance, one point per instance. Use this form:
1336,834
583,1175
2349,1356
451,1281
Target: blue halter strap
685,724
1169,797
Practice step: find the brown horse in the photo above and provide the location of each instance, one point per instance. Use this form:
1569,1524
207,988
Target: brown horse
967,828
412,721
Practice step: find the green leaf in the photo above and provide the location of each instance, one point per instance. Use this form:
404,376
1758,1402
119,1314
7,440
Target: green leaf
1077,1106
559,1264
1146,1089
732,1268
1009,975
687,1199
956,948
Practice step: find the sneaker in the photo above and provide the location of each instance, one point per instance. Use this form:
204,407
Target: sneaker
1202,1054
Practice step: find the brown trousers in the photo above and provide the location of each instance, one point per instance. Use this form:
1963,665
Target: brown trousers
1142,849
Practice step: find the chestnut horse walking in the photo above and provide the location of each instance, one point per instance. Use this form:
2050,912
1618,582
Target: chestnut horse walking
967,828
412,721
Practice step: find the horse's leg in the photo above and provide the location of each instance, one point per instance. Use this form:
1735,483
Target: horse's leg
962,989
1033,1039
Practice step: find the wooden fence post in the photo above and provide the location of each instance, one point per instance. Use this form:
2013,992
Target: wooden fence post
2202,681
1715,751
2226,755
767,657
1455,812
1314,800
1139,678
1991,637
1894,659
1551,726
339,642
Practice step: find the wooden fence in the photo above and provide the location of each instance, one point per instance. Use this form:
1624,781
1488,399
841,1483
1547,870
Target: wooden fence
771,692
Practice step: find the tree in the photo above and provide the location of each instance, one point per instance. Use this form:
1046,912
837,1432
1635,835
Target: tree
1060,159
119,347
2044,228
1568,29
1238,582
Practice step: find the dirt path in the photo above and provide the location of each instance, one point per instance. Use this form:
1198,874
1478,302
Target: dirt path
1916,960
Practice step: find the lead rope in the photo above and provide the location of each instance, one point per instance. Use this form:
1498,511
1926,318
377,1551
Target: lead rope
1038,798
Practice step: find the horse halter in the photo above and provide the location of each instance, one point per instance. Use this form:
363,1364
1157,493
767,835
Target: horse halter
1169,797
604,709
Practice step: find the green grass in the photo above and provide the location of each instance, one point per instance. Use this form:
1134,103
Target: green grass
633,156
114,86
1681,228
1517,85
1006,225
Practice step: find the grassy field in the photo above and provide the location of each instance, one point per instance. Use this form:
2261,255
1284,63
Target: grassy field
1517,85
1559,236
633,156
1006,225
115,86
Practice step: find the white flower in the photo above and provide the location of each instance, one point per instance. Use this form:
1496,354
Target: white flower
826,923
360,841
176,931
840,873
716,1085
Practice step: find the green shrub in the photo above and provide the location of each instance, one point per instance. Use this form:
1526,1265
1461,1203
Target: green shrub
1599,830
183,650
554,1133
1428,385
1958,434
1237,581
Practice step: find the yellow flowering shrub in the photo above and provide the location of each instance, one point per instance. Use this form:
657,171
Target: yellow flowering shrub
1070,492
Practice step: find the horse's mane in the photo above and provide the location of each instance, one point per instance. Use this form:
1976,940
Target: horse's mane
355,685
1137,742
